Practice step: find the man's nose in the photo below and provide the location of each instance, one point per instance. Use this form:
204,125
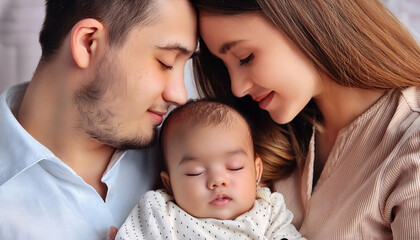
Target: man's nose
175,91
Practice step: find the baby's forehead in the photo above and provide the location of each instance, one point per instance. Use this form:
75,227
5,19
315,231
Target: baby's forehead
230,121
231,126
211,141
202,114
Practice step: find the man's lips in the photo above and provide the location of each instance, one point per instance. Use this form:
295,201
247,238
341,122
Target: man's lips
157,115
158,112
221,200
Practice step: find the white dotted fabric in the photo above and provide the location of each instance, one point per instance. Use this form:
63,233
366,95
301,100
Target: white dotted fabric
157,217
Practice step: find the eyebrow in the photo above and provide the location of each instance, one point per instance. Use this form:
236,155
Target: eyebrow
176,47
186,159
227,46
238,151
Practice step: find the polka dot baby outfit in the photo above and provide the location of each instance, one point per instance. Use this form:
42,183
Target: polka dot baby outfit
156,216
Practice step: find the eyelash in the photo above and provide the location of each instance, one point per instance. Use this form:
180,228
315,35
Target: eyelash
236,169
193,174
166,67
198,174
246,60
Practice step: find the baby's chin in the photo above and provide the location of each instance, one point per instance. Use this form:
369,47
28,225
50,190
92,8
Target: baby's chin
223,215
229,212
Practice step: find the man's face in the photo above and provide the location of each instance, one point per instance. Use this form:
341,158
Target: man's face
136,83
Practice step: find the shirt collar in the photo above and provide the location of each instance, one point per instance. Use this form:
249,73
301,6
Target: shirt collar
19,149
412,97
111,173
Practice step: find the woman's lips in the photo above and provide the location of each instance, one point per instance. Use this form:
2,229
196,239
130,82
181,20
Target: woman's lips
264,101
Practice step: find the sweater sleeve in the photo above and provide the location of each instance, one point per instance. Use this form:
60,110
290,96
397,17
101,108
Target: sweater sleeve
401,186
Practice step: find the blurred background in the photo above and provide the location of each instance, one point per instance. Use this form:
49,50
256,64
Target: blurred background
21,21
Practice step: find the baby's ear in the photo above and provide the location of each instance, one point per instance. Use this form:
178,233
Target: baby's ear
258,169
166,181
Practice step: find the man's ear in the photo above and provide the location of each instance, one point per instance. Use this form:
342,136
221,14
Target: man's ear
258,169
166,181
85,37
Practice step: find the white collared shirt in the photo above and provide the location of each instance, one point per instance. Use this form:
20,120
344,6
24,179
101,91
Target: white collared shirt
43,198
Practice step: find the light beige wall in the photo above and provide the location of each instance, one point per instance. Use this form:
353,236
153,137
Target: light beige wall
20,22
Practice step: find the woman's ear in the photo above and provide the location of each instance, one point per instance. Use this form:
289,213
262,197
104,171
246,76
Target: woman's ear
258,169
84,38
166,181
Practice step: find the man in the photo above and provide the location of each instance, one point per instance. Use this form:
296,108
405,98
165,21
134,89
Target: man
109,71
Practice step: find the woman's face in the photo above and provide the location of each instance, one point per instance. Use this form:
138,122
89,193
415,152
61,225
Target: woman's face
262,62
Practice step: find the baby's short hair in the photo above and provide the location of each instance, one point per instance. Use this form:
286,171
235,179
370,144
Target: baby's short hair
201,113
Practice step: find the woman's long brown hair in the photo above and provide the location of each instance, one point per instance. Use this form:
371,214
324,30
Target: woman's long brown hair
357,43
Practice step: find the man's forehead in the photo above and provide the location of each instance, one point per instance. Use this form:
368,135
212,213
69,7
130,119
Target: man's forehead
175,24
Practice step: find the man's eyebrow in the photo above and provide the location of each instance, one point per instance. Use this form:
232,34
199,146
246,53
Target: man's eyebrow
177,47
227,46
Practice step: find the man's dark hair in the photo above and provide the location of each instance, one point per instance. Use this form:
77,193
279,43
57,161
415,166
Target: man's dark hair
118,16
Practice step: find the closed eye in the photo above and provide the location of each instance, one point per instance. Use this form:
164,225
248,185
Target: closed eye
246,60
193,174
236,169
164,66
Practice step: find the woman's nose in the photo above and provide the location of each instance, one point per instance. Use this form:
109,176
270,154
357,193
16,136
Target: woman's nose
241,84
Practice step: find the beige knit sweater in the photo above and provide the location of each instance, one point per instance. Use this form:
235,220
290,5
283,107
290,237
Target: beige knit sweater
370,185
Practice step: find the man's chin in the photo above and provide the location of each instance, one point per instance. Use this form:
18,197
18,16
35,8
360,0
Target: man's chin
130,145
139,143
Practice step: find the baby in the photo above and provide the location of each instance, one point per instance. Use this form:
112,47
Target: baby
211,179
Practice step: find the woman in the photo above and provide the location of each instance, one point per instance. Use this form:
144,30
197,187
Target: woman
341,83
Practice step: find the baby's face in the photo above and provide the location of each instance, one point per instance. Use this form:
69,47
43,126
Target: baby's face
212,170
